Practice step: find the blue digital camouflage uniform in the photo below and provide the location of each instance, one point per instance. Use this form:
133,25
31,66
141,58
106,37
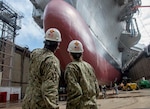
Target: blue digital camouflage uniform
82,86
42,90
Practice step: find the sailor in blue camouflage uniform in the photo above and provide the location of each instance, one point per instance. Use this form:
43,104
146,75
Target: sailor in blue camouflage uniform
82,84
44,73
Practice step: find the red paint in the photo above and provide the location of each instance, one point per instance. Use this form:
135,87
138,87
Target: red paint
3,97
63,16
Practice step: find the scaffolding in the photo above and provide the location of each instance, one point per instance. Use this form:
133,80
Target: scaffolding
10,23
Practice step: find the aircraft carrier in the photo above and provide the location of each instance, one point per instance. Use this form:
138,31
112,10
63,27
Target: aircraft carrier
112,31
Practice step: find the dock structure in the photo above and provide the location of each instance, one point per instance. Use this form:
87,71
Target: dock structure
10,23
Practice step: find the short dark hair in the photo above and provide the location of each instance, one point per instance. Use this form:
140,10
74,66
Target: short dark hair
76,56
51,45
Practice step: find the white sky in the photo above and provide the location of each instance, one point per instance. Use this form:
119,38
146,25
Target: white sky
32,36
143,19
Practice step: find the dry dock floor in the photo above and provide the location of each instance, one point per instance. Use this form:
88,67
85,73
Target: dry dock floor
137,99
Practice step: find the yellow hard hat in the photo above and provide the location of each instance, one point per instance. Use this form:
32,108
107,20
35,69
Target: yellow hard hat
53,34
75,46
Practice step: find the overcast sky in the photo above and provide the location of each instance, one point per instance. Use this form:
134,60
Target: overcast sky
143,19
30,35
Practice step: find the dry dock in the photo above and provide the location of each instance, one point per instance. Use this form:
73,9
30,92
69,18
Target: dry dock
138,99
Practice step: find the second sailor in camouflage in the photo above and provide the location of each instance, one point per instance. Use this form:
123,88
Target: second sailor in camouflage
82,85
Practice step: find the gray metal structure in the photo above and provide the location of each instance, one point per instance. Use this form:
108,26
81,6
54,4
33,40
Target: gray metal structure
10,23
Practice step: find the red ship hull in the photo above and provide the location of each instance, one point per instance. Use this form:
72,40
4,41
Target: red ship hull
63,16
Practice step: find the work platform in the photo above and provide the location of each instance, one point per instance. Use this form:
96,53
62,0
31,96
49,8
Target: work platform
138,99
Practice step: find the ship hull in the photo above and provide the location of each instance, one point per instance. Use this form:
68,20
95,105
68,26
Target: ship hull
67,19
